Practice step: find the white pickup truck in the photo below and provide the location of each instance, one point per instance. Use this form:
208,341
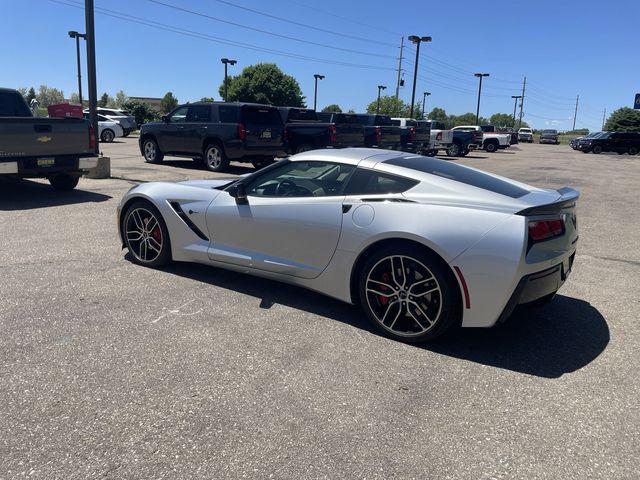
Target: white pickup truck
491,141
440,138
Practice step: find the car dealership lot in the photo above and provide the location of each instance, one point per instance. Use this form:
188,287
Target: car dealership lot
117,371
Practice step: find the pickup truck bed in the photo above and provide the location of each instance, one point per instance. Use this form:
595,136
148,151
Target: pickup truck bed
307,130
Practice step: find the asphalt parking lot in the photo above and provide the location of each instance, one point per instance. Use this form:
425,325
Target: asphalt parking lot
111,370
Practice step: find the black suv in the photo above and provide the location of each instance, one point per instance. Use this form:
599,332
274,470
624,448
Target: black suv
620,142
216,132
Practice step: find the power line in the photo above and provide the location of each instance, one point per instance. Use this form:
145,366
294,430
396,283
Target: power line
212,38
266,32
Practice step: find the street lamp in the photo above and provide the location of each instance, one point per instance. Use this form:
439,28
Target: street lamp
78,36
417,40
515,104
317,77
479,75
226,62
380,88
424,102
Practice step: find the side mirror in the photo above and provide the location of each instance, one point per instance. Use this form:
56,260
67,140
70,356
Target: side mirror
165,119
239,193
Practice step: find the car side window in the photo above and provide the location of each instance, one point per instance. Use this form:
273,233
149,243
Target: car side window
302,179
179,115
371,182
199,113
227,114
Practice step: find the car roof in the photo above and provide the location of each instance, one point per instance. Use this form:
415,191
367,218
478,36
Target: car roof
351,156
237,104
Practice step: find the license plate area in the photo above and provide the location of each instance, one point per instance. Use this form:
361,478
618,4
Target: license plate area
265,134
46,162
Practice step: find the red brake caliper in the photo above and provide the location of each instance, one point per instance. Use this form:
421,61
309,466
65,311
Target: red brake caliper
156,234
383,299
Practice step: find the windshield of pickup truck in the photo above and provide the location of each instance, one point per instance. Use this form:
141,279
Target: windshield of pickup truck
302,116
549,132
261,116
487,128
13,105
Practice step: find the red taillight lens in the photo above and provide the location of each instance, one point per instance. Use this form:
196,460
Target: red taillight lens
92,138
333,136
242,132
412,133
378,135
545,229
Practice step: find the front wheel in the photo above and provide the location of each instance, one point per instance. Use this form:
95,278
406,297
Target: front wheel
107,135
64,183
214,158
633,150
146,235
597,149
406,295
151,151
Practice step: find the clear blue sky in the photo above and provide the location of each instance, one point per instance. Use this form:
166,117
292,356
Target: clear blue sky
564,48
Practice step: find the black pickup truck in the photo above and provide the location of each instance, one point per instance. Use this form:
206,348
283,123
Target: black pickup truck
216,132
464,141
58,149
379,132
305,130
414,135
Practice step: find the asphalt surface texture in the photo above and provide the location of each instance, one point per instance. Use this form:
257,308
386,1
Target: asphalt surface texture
111,370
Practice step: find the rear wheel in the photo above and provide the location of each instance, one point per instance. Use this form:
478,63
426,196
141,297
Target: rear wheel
406,294
107,135
151,151
491,147
146,235
454,150
633,150
63,182
597,149
215,159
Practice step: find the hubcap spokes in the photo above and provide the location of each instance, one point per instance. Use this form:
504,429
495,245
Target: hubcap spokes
213,157
143,235
150,150
403,295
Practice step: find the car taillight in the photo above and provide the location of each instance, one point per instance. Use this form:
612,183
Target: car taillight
242,132
412,133
378,135
92,138
333,136
545,229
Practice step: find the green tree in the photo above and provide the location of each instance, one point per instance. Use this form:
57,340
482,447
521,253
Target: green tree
74,98
578,131
23,92
502,120
464,119
206,99
264,83
168,102
49,96
143,112
121,99
624,119
351,110
333,108
438,114
31,94
394,107
104,100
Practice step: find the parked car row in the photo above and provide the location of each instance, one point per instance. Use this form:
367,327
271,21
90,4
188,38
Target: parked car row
598,142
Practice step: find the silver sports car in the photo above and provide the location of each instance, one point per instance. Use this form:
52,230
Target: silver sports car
420,244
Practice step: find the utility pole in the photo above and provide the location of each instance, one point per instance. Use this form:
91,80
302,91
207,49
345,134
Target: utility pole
604,114
524,86
515,105
480,76
399,68
575,113
380,88
417,40
91,70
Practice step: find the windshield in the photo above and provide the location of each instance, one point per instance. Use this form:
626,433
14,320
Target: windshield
549,132
525,130
297,115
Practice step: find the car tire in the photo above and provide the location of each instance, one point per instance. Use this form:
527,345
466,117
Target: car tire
107,135
64,183
430,295
215,159
305,147
454,150
597,149
125,133
490,147
633,150
431,153
151,151
145,234
464,152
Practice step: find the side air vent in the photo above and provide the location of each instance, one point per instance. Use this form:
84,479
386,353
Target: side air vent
178,209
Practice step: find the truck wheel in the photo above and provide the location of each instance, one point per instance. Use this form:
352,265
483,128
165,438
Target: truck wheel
490,147
107,135
151,151
214,158
64,183
454,150
305,147
464,152
431,153
597,149
633,150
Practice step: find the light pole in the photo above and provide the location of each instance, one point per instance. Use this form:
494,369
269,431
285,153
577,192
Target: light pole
226,62
317,77
424,102
380,88
515,105
417,40
479,75
78,36
92,81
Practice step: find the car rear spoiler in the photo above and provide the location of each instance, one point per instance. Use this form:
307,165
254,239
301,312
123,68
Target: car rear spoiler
568,197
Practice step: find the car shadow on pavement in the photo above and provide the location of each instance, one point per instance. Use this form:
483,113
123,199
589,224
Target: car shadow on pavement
560,338
26,195
233,168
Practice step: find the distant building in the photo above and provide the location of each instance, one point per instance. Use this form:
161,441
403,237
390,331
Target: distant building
152,101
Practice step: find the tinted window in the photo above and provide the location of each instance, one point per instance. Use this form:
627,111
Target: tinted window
227,114
395,123
365,119
325,117
199,113
302,179
382,120
412,123
261,116
365,182
345,118
487,128
179,115
301,115
456,172
438,126
549,132
12,104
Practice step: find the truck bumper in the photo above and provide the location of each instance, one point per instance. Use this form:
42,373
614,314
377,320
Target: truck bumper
42,167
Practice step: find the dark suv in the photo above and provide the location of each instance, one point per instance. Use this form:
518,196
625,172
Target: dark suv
216,132
620,142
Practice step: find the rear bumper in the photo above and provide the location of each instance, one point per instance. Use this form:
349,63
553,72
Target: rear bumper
28,167
537,285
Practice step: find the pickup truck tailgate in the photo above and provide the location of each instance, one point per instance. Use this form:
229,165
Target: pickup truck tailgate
350,134
34,137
